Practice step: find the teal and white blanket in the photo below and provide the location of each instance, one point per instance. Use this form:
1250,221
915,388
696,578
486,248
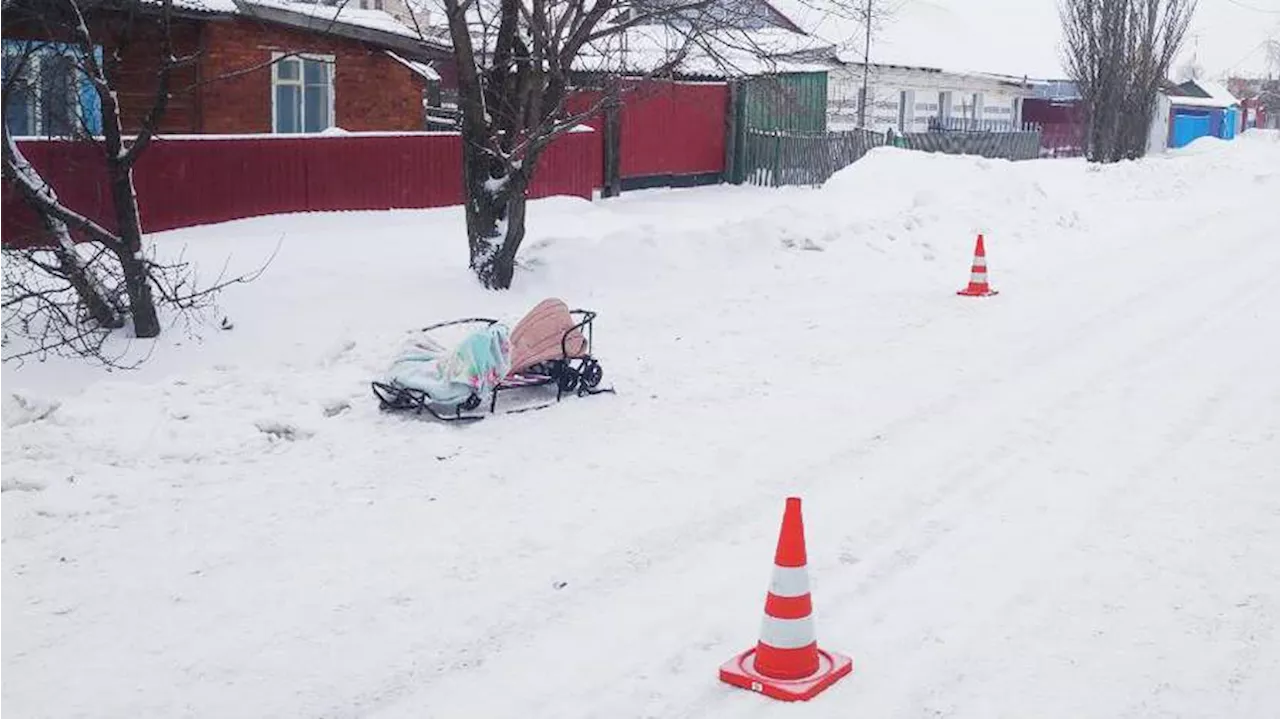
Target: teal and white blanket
450,376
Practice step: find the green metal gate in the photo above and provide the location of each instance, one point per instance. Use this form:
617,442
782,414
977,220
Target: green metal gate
785,102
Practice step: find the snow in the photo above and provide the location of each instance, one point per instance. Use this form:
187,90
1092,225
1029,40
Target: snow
344,13
341,12
1013,37
1219,96
1058,502
210,6
726,53
422,69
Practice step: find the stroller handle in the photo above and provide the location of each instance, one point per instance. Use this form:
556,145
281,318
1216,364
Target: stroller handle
587,317
469,320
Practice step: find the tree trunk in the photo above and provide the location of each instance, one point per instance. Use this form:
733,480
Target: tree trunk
495,220
137,279
504,263
39,195
497,268
78,272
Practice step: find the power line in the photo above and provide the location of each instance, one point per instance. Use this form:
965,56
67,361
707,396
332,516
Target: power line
1248,55
1246,6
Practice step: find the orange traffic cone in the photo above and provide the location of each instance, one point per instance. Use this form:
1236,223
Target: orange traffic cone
978,286
787,663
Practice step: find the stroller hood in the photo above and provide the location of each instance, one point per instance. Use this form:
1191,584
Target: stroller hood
538,336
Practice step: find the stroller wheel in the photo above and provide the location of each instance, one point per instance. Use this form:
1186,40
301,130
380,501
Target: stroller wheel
568,380
592,373
471,403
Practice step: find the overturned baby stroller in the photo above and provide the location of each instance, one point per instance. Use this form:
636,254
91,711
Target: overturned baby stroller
550,346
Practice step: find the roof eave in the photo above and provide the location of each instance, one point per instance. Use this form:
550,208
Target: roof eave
335,26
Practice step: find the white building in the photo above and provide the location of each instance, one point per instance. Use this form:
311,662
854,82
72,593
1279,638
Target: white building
905,98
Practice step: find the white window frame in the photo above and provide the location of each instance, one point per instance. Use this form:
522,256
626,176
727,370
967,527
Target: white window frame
276,59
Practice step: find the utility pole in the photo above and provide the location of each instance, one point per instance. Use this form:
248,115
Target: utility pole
866,67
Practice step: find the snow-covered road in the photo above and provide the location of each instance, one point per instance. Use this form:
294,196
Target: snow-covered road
1062,501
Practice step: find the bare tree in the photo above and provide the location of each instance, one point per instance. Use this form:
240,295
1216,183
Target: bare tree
515,61
67,263
1119,54
519,63
62,296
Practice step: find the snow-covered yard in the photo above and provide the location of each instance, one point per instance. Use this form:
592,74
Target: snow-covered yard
1063,501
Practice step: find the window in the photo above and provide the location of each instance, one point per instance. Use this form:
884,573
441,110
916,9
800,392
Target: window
302,93
50,94
370,4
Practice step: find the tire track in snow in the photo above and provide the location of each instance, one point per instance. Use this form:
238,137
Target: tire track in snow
924,525
618,569
662,545
1180,332
1116,502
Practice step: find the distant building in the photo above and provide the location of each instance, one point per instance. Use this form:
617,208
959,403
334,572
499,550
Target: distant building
1259,101
917,99
1195,109
1056,90
261,66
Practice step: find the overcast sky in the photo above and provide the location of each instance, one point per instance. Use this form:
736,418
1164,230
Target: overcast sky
1018,37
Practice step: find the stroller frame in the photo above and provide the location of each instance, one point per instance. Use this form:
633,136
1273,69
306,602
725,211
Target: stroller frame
578,374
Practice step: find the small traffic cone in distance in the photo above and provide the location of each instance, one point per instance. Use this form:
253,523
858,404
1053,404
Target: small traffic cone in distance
786,663
978,286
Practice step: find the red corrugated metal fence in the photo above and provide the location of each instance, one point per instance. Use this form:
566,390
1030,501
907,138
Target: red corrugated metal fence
199,180
674,129
669,129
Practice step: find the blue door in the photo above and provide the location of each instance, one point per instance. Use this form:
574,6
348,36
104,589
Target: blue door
1187,127
1230,118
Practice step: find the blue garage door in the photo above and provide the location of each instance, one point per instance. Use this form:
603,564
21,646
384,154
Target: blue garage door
1189,127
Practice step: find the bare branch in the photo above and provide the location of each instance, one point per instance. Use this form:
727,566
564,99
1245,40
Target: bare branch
1119,53
67,297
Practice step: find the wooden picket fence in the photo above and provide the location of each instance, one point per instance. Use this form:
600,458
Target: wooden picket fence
774,158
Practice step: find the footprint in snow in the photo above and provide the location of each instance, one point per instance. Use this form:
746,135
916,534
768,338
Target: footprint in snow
18,485
278,430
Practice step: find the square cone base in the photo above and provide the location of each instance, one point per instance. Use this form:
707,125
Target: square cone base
741,672
970,292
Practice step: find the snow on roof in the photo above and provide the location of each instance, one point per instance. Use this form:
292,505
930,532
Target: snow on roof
948,34
1189,101
224,7
725,53
343,13
1218,92
423,69
1218,96
992,78
811,16
347,13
